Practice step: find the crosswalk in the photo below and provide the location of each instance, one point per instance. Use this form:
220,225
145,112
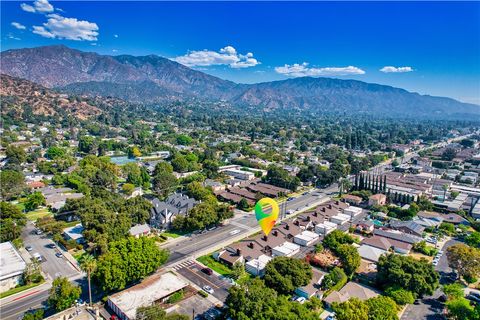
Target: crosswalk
184,264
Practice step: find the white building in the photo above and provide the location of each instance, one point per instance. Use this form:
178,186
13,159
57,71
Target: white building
325,228
340,218
352,211
257,266
306,238
74,233
287,249
12,267
240,174
155,288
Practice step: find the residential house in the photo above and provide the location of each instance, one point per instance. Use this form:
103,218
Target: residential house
139,230
74,233
313,287
351,199
351,290
409,227
387,244
377,200
163,212
397,235
370,253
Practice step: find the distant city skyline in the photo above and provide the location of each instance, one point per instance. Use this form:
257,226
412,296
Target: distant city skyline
430,47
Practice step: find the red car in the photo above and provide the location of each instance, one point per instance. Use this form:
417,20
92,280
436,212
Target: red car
207,271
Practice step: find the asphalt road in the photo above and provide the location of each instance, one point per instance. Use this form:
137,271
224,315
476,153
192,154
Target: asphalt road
192,271
238,227
52,266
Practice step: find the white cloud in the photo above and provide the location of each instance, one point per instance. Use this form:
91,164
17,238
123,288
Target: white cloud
115,35
114,50
302,70
39,6
67,28
19,26
390,69
226,56
11,36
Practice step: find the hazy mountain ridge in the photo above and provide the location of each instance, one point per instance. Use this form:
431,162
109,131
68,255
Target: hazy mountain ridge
153,79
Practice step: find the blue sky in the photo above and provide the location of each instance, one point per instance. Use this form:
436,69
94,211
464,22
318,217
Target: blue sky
430,48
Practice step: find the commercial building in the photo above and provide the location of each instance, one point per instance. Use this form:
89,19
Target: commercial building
12,267
156,288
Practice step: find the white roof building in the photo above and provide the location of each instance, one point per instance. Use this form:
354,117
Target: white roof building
325,228
352,211
340,218
305,238
370,253
12,266
287,249
155,288
257,266
74,232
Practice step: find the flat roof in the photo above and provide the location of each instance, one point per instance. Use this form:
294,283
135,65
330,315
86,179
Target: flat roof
74,232
11,262
147,292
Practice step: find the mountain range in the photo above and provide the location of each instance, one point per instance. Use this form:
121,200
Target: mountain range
153,79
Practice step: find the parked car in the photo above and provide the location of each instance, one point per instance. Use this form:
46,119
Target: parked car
37,256
208,289
289,211
207,271
301,300
38,232
474,297
290,198
28,248
51,245
58,254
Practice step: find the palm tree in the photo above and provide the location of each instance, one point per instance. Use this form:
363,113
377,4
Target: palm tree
89,265
444,188
345,185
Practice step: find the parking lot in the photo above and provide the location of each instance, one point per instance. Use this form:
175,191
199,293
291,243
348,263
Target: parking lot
40,244
192,271
196,306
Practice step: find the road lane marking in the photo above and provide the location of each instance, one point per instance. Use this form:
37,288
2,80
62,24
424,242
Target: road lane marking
200,276
26,295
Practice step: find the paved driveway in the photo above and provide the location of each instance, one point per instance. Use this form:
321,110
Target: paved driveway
52,266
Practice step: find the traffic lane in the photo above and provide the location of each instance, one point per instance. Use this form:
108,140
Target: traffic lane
442,267
429,308
194,274
52,265
16,308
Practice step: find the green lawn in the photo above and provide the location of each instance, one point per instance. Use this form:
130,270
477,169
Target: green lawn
19,289
38,213
215,265
173,234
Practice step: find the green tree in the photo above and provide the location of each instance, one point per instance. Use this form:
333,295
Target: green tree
88,264
285,274
243,204
400,295
473,239
16,154
238,270
12,184
33,315
63,294
155,312
335,278
381,308
417,276
55,152
128,188
128,260
465,260
453,291
12,220
164,182
353,309
180,164
460,309
336,238
34,201
449,154
87,144
349,257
